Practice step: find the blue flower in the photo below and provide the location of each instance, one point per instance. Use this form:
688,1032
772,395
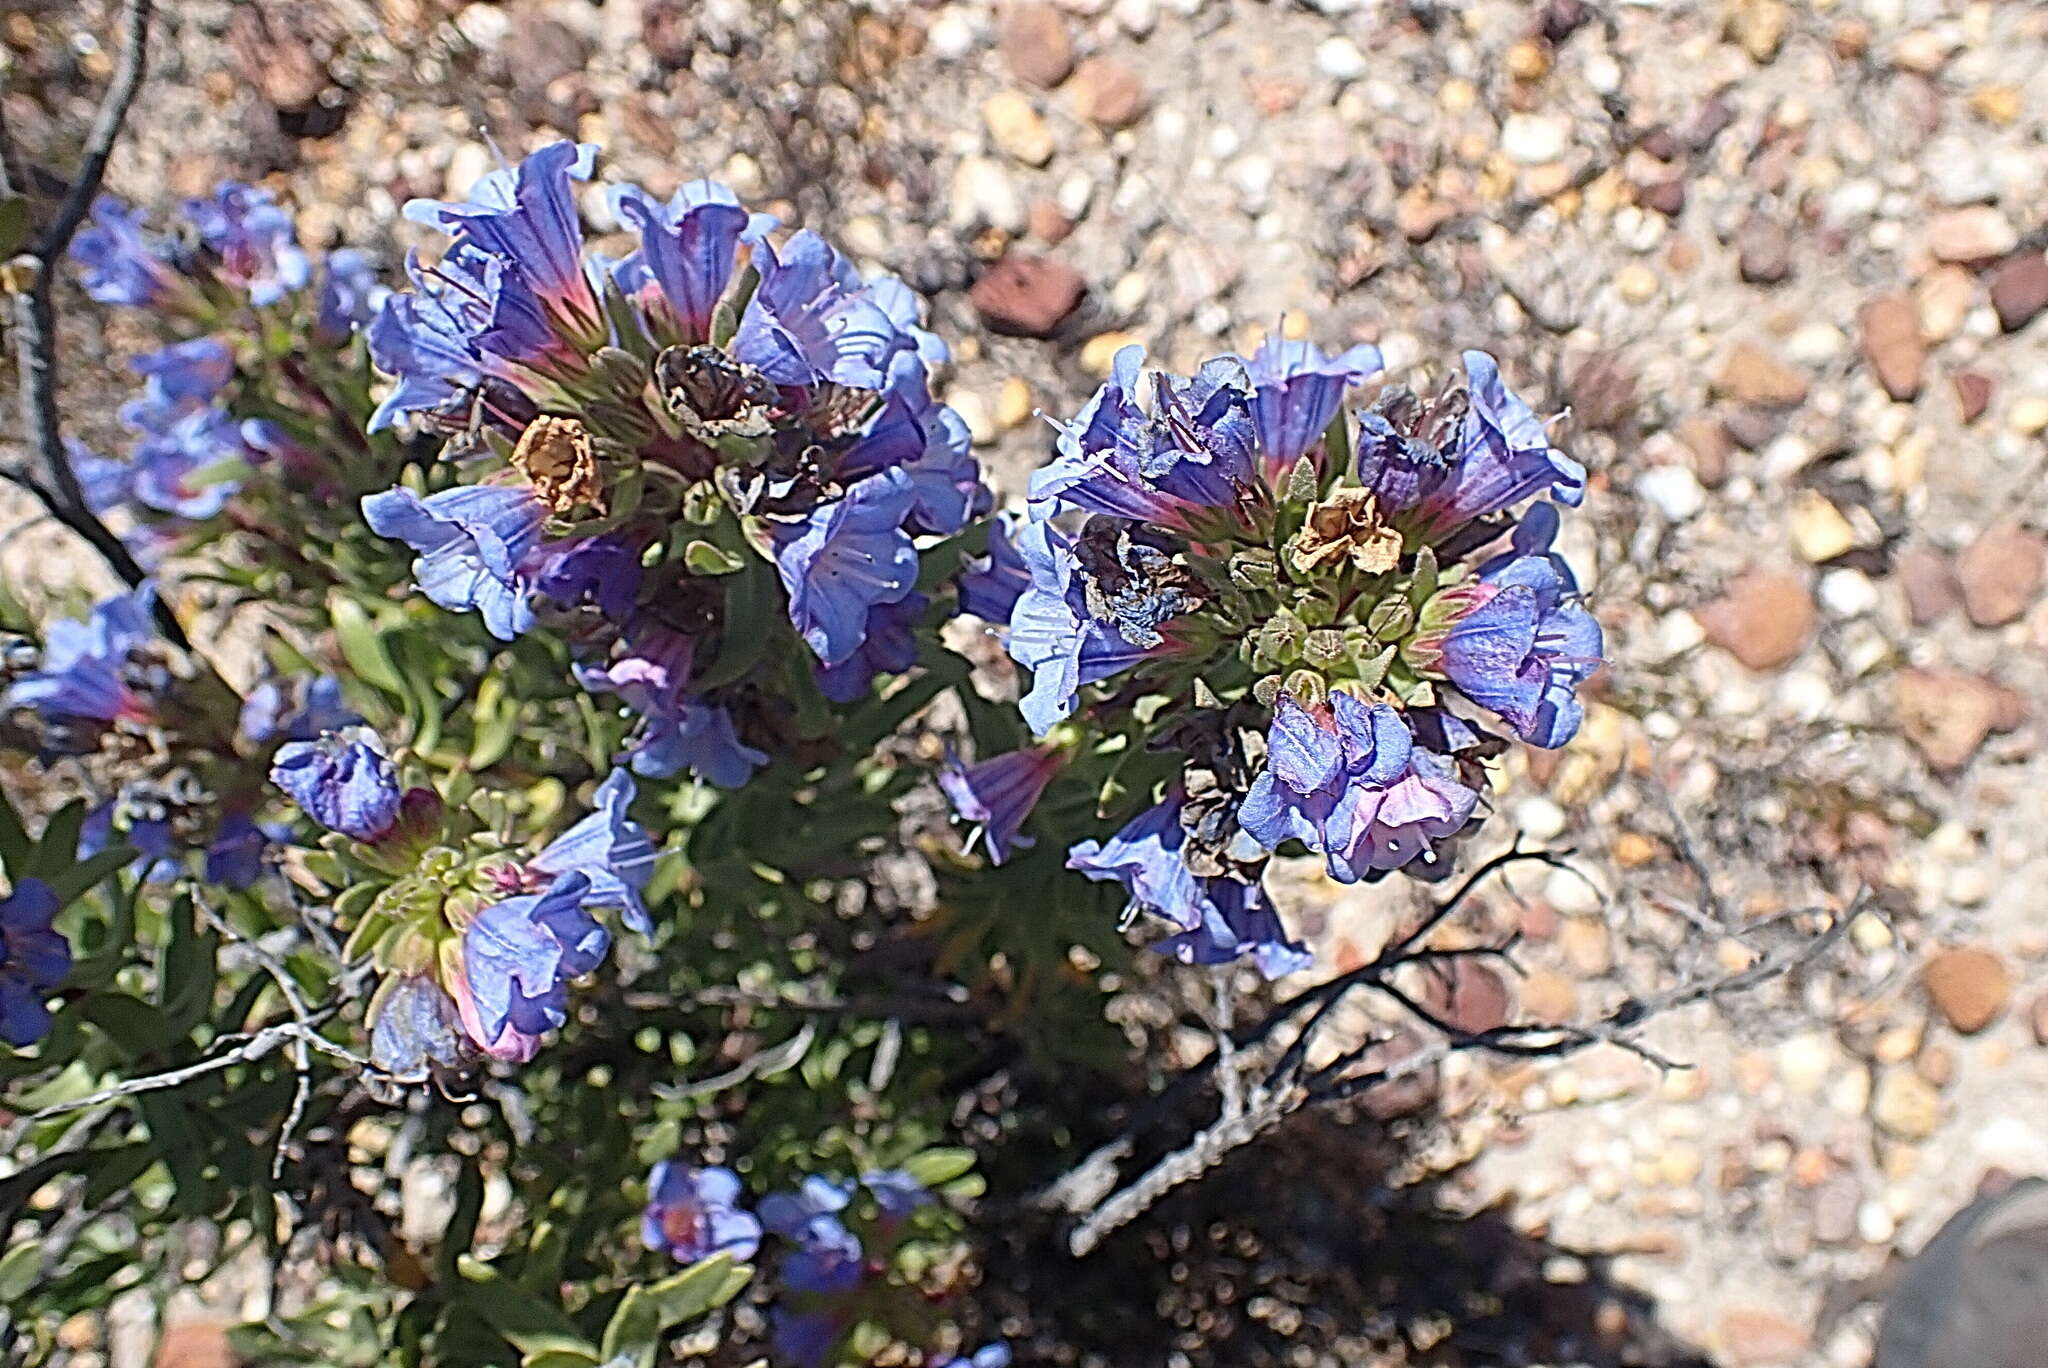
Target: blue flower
991,584
1238,922
1053,634
517,959
895,1191
1192,451
34,960
688,248
193,467
1524,647
526,217
121,264
253,241
1438,481
90,670
294,709
344,781
827,1256
1145,857
888,647
848,556
415,1029
678,731
609,849
471,540
186,372
1315,762
350,296
234,857
604,570
1381,828
812,320
805,1338
467,320
694,1213
1296,391
996,1355
929,442
998,794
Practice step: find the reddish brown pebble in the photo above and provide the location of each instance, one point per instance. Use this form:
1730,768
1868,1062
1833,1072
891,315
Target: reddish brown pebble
1034,42
1049,223
1946,714
1969,986
1973,394
1108,93
1666,197
195,1344
1751,375
1892,344
1026,296
1763,251
2019,289
1764,619
2000,574
1931,589
1762,1339
1708,441
1467,994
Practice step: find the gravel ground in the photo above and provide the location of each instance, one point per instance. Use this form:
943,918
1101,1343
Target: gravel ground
1783,263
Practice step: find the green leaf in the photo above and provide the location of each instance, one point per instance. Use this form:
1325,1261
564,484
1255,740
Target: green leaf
496,719
362,645
751,604
187,969
19,1269
648,1311
936,1166
15,845
57,850
13,230
702,558
73,882
530,1325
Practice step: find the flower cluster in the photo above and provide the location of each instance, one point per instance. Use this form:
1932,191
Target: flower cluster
657,452
178,760
1291,600
227,276
831,1275
478,938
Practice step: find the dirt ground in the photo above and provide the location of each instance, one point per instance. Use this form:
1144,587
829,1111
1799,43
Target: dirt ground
1783,263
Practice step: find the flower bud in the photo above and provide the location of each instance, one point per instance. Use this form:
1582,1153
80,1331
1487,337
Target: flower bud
1323,647
1310,689
1255,568
1390,619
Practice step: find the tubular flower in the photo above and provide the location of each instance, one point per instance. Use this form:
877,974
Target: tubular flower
693,1214
104,670
637,442
1223,583
34,960
252,242
517,958
343,780
998,794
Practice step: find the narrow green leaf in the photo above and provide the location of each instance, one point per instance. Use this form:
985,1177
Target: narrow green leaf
647,1312
530,1325
936,1166
57,849
362,645
72,884
19,1269
13,225
15,845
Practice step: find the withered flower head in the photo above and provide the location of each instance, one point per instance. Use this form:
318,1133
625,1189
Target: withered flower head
557,456
1346,524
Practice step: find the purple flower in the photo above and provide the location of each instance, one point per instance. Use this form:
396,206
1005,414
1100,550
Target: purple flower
896,1192
1053,634
121,264
1296,391
415,1029
193,467
688,248
91,671
1315,763
806,1338
678,731
928,442
848,556
1238,922
344,781
990,585
466,321
604,570
827,1256
1145,857
471,540
812,320
234,857
253,241
694,1214
887,647
350,296
295,709
1380,829
998,794
609,849
1192,451
186,372
517,959
526,217
1524,647
34,959
1438,481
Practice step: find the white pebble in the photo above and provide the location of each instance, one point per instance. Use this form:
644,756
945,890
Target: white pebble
1340,59
1673,490
1539,818
1847,593
951,35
